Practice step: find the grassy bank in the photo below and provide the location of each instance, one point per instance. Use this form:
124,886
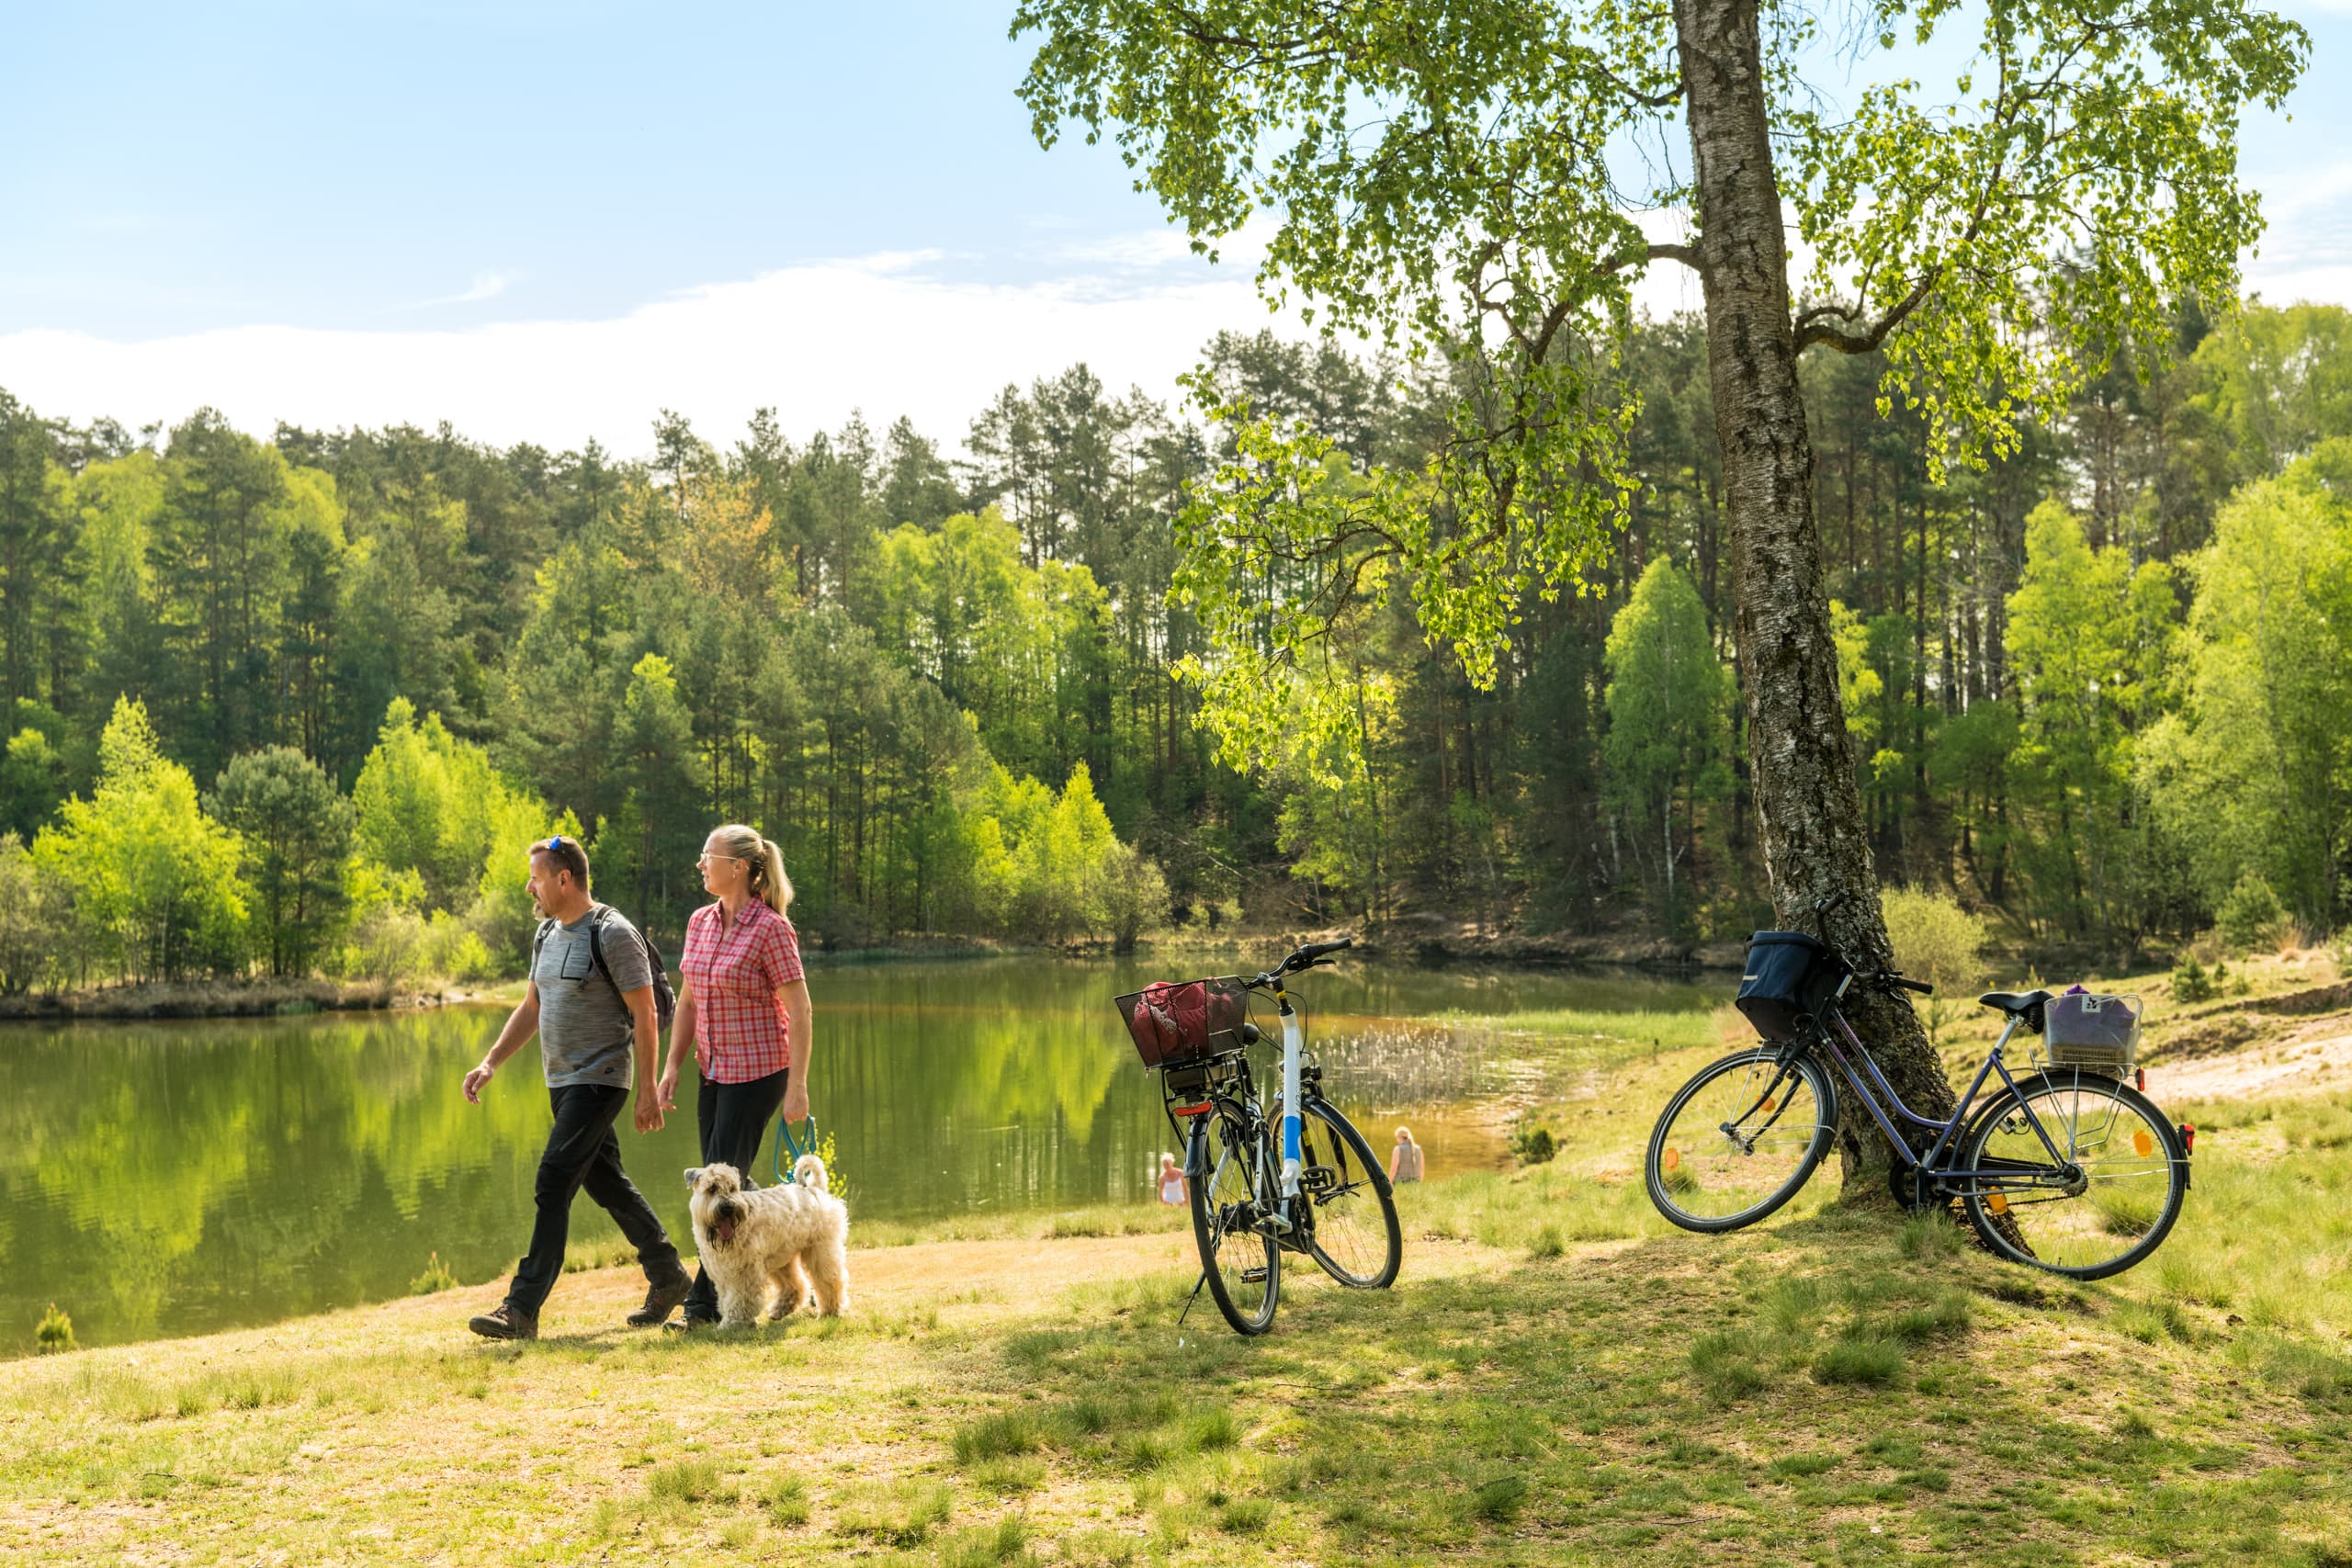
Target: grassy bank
1557,1379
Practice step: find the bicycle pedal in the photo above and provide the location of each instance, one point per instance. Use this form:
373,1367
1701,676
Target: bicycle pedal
1254,1276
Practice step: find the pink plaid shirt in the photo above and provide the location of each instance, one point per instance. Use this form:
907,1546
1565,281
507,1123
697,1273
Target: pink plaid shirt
741,1030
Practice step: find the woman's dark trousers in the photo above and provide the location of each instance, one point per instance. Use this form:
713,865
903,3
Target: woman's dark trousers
734,1119
582,1153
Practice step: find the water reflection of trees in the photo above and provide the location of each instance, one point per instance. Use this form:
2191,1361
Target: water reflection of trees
170,1177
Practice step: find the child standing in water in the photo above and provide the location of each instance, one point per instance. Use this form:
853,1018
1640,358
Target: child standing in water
1171,1183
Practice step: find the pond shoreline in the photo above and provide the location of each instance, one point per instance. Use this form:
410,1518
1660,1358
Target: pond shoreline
161,1000
216,998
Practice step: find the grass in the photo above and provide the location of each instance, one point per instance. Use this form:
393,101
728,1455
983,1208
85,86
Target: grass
1559,1377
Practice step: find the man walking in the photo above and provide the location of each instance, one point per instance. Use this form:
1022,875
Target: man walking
591,1016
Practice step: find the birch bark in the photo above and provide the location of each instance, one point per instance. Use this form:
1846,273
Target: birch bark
1808,809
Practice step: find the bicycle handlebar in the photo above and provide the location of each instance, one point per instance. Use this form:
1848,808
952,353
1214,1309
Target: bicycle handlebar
1306,957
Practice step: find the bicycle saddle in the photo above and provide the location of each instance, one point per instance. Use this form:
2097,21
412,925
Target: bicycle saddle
2014,1001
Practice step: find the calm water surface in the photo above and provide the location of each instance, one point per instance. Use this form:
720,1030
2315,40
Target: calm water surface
170,1178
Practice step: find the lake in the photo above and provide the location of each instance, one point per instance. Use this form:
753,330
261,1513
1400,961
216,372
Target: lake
168,1179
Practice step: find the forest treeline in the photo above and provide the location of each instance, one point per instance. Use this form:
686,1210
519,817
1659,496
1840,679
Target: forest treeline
299,703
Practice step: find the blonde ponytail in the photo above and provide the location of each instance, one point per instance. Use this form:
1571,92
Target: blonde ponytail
775,886
770,886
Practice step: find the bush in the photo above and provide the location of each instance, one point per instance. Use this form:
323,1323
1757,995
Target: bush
1533,1145
2251,917
1937,940
54,1332
436,1277
2192,982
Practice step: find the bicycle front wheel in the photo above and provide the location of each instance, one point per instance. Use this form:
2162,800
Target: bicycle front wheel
2095,1198
1739,1139
1350,1210
1228,1161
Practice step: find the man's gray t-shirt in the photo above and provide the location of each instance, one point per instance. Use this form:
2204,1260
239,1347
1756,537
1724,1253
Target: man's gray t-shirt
584,1027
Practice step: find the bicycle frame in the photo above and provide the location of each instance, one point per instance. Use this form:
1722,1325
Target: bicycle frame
1946,1131
1273,1188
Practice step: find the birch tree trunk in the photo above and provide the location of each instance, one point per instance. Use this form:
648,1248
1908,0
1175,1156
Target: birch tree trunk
1815,842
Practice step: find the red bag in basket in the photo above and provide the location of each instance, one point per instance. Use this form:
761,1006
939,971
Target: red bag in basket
1172,1014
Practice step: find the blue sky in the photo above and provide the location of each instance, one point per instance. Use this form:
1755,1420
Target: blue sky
547,221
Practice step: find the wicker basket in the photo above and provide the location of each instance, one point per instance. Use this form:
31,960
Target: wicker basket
2097,1034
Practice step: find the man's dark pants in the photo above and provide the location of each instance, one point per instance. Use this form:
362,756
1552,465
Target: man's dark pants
734,1121
583,1153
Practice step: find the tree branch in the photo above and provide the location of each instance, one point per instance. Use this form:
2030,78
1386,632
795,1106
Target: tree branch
1813,330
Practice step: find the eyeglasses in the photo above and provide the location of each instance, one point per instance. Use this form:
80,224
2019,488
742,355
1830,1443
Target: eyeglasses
552,847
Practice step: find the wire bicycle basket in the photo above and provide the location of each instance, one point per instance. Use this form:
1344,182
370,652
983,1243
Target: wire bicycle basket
1176,1021
2097,1034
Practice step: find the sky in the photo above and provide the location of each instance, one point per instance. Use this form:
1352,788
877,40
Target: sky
549,223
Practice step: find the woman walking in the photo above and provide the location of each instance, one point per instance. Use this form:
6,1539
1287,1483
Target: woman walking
744,1013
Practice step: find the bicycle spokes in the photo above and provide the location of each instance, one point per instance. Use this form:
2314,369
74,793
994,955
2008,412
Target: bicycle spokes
1737,1141
2081,1172
1230,1208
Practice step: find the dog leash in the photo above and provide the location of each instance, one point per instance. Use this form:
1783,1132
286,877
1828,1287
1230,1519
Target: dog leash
784,1140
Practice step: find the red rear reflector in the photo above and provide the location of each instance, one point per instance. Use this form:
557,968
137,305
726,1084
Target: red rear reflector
2188,1137
2143,1077
1191,1109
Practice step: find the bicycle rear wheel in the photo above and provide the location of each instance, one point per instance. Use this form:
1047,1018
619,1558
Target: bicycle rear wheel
1739,1139
1350,1209
2108,1199
1228,1159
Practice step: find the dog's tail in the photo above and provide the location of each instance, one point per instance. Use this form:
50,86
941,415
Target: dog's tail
810,1171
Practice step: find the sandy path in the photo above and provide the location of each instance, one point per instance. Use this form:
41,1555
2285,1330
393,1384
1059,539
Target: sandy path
2310,1057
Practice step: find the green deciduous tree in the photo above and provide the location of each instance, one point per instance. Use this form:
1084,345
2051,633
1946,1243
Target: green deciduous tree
1667,750
155,884
1465,175
2255,774
2091,644
36,921
296,828
431,803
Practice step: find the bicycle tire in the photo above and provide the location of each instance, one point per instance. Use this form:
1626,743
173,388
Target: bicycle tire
2105,1204
1348,1144
1225,1162
1758,1066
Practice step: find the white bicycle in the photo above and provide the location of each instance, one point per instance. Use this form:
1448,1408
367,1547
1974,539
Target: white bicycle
1293,1177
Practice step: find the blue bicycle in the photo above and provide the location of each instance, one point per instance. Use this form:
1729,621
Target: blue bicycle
2069,1168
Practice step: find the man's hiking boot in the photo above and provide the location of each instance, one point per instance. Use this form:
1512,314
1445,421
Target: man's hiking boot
660,1301
502,1322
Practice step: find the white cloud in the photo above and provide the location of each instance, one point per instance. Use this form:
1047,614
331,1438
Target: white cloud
485,286
881,334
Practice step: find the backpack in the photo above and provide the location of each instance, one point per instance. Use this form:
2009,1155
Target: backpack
665,999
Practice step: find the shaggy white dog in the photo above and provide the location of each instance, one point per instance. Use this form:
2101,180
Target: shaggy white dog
767,1247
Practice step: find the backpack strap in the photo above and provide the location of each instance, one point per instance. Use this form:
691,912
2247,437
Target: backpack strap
597,915
539,941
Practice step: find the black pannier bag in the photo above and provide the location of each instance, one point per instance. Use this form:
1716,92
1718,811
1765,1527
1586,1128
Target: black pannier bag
1790,977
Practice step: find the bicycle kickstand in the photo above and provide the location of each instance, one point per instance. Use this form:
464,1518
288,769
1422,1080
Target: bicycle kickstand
1198,1283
